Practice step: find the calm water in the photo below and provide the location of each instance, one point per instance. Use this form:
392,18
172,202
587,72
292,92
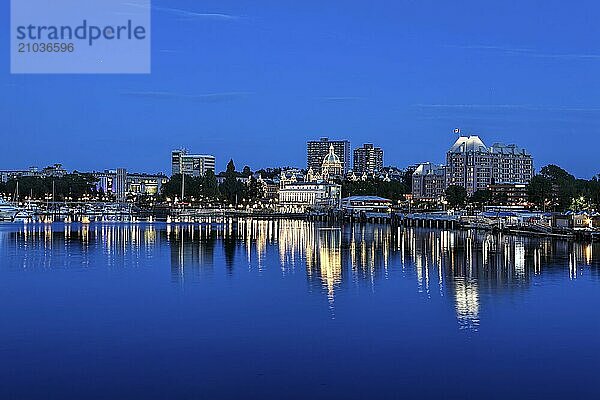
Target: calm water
288,310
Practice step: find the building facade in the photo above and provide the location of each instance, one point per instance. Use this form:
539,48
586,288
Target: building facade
299,193
474,166
301,197
428,182
54,171
317,150
510,194
121,184
191,164
364,205
368,159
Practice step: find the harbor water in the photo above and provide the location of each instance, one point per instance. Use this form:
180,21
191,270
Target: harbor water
294,310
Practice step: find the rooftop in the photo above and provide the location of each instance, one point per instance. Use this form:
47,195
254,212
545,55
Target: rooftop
468,144
366,198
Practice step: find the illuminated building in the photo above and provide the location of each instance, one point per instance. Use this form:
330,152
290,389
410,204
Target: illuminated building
513,194
300,197
474,166
366,204
121,183
428,182
368,159
191,164
316,150
332,167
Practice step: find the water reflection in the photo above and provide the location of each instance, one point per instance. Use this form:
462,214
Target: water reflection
465,266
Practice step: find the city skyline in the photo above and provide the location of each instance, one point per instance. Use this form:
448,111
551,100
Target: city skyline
220,164
300,199
257,82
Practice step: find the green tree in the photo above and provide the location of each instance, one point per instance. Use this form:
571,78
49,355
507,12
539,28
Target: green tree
232,189
539,191
172,188
594,191
564,186
456,196
193,187
481,198
71,186
255,190
210,187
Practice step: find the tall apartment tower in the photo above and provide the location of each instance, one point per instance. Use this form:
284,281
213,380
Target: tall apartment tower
191,164
316,150
368,159
474,166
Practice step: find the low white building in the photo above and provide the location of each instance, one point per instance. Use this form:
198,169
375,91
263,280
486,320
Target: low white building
299,197
357,205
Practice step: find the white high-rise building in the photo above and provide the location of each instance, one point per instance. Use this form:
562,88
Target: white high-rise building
474,166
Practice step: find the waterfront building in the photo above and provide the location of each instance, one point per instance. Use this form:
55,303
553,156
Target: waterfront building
191,164
511,194
7,175
292,175
474,166
121,184
301,197
300,193
428,181
368,159
316,150
270,188
56,171
364,205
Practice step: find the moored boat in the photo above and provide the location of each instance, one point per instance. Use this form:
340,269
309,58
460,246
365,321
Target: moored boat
7,211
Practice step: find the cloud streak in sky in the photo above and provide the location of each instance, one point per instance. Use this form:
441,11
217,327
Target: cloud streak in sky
514,107
201,98
516,51
179,12
341,99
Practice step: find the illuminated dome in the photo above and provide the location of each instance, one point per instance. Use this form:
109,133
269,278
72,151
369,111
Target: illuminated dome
331,158
332,166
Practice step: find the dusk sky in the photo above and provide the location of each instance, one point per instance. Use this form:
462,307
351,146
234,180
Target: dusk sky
253,81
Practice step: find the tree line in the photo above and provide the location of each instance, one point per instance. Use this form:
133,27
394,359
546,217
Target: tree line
554,189
70,186
231,191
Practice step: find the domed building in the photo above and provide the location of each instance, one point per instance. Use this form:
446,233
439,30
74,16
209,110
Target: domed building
332,166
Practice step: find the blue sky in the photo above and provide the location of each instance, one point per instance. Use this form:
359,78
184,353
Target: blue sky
257,81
